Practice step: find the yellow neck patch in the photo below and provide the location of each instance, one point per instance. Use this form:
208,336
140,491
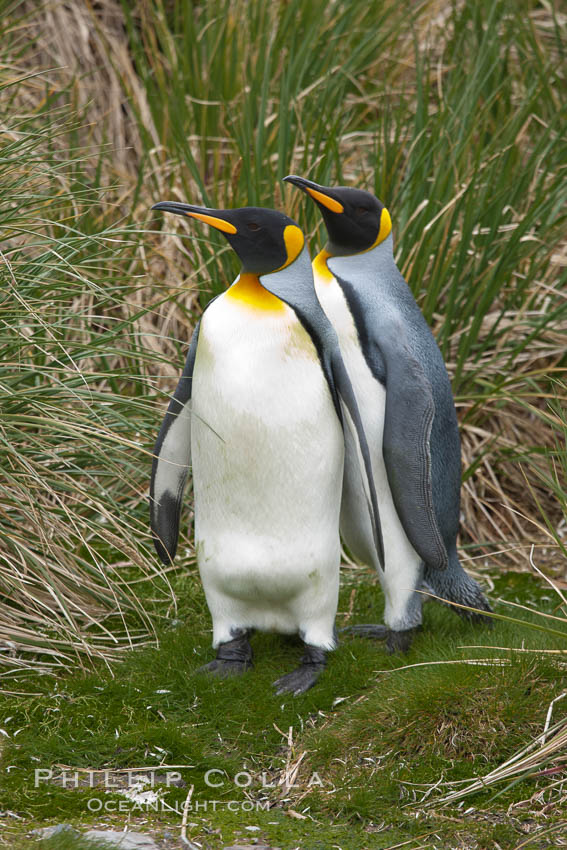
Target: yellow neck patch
320,267
248,290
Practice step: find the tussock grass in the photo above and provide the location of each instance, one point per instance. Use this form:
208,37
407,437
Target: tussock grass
452,115
74,388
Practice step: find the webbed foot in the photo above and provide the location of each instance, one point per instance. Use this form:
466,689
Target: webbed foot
233,658
461,593
225,669
400,641
312,665
376,631
396,641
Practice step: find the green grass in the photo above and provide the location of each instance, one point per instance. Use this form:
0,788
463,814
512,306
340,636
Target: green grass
377,731
65,842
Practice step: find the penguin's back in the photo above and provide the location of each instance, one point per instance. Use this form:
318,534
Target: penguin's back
355,525
381,301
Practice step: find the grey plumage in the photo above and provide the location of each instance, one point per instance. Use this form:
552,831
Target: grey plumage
421,436
404,394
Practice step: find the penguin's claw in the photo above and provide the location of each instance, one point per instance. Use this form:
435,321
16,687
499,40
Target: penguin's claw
400,642
225,669
312,665
476,617
299,681
233,657
396,641
368,630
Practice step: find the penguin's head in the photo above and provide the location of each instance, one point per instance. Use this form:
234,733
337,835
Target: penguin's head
265,240
355,220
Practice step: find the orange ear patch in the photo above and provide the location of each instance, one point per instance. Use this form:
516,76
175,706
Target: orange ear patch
385,226
385,229
294,241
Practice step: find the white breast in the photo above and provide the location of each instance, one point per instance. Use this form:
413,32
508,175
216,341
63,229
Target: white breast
371,397
267,452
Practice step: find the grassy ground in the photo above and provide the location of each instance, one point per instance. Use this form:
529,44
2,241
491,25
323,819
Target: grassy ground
454,114
352,763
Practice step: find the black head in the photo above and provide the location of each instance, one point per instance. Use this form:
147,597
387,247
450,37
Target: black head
265,240
355,219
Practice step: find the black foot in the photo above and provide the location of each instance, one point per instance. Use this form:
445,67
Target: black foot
225,669
312,665
233,658
400,641
480,604
395,641
376,631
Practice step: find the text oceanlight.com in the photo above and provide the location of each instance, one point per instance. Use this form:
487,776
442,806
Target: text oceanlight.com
97,804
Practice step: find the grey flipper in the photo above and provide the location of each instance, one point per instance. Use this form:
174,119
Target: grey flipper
421,440
172,459
408,422
294,285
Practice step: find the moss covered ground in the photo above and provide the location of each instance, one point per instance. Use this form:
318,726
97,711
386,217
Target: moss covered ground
358,762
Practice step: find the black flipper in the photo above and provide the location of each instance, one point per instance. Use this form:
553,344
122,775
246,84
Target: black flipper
172,459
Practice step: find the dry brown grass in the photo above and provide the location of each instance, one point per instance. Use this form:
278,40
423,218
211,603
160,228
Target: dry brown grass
83,49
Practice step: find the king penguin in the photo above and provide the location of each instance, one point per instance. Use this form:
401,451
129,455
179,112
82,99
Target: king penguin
260,414
408,413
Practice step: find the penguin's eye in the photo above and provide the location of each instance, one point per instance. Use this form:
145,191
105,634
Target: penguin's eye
253,226
361,210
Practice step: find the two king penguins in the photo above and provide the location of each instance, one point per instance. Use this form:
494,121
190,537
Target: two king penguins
314,397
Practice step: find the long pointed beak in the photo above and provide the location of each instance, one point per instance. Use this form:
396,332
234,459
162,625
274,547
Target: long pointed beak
215,218
322,194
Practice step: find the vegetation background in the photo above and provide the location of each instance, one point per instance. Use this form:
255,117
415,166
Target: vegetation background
453,113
